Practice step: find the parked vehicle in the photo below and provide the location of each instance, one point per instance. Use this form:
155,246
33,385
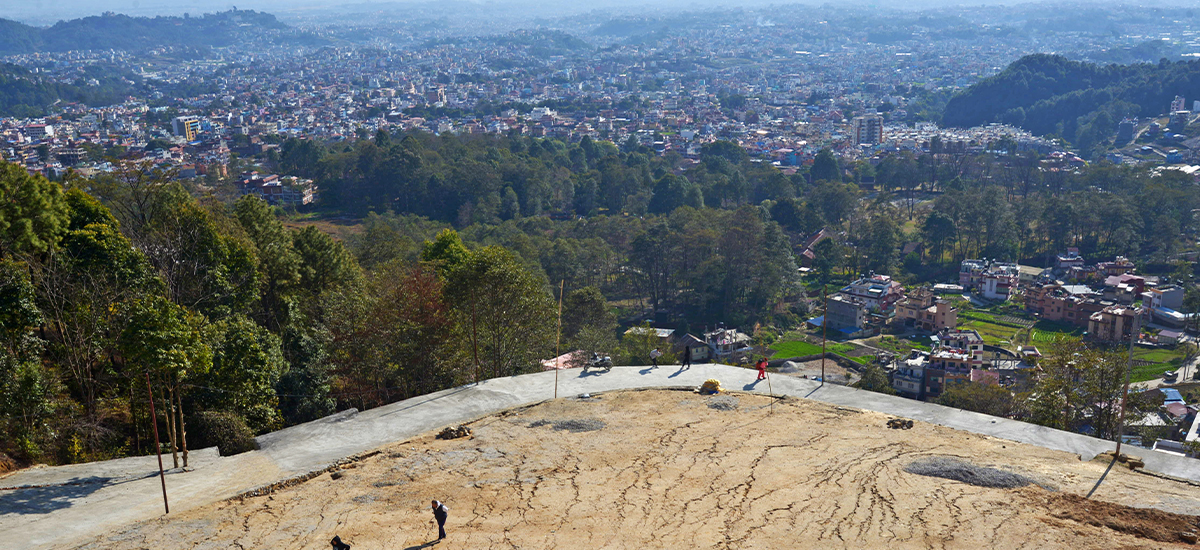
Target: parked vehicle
602,362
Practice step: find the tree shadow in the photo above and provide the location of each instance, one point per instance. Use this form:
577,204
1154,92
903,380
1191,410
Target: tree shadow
48,498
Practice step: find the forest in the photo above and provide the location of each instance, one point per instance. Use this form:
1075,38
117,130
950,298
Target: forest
1078,101
243,318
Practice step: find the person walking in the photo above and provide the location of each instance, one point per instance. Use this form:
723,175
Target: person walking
440,513
654,355
762,369
687,356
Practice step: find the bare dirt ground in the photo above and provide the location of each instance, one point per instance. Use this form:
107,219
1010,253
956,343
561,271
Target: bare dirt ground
834,372
672,469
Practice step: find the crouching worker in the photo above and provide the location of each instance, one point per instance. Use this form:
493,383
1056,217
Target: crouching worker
440,512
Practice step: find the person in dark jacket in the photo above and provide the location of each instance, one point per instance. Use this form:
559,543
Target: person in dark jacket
338,544
440,512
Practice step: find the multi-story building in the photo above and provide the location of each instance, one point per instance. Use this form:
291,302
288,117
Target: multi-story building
846,314
289,190
1166,296
995,280
1112,324
868,129
999,281
1073,304
877,292
39,131
1120,266
1069,260
923,309
186,126
957,357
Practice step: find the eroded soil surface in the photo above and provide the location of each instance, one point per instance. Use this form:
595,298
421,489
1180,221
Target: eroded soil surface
663,469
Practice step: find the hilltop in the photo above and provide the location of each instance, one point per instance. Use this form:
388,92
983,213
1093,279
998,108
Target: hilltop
122,32
671,469
1079,101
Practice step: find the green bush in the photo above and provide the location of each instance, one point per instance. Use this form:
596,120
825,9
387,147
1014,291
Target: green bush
225,430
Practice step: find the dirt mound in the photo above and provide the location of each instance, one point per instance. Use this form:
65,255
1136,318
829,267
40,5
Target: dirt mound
575,425
947,467
454,432
1146,523
723,403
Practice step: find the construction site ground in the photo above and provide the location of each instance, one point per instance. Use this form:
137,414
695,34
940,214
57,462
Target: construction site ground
822,468
674,469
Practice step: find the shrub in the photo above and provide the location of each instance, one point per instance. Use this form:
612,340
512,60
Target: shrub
225,430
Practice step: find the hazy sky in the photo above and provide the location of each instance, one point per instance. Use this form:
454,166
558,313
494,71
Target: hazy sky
46,12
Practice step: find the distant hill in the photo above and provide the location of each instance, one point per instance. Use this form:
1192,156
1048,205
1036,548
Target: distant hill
1049,94
25,94
122,32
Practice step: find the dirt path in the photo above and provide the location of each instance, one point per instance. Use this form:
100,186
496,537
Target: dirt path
664,469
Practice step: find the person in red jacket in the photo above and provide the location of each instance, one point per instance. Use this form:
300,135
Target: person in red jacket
762,368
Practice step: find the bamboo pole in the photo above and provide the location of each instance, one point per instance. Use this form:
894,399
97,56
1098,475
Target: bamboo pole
558,337
157,446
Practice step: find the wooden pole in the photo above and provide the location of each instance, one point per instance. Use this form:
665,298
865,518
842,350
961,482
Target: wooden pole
558,338
1133,338
771,390
157,446
824,332
474,338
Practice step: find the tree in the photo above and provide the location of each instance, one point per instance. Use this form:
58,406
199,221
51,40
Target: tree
586,308
504,309
874,379
167,341
278,263
246,364
393,341
1080,389
883,242
324,262
446,251
937,230
825,167
826,254
639,341
981,398
33,214
834,201
206,267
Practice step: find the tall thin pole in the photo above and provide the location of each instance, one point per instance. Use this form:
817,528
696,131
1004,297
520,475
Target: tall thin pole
1133,338
558,338
474,337
824,331
157,447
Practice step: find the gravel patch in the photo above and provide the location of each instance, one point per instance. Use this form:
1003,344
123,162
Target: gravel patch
959,470
723,403
574,425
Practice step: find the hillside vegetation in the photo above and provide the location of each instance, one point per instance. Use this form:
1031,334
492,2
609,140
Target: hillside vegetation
122,32
1081,102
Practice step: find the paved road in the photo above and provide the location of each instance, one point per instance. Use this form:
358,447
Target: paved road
73,503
